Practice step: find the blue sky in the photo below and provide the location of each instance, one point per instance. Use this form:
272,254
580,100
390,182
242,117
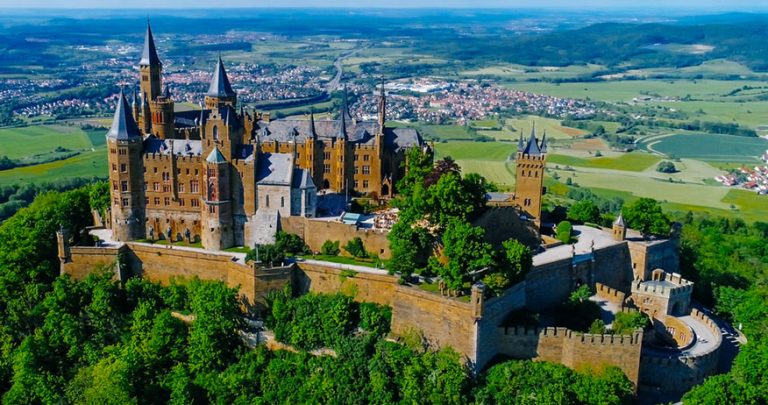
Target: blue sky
693,5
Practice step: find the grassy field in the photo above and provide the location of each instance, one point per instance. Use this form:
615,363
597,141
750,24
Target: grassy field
629,89
551,126
20,142
633,162
87,164
487,159
708,147
524,73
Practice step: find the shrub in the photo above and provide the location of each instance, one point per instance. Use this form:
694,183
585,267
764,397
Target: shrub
290,243
666,166
356,248
269,254
330,248
625,323
564,230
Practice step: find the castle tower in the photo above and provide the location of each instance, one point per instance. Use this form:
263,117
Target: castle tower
135,108
126,173
162,115
220,91
619,228
145,119
529,182
217,230
150,68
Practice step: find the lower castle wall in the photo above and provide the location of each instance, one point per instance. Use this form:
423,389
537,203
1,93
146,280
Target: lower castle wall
443,321
494,313
316,232
573,349
548,285
681,373
328,279
84,260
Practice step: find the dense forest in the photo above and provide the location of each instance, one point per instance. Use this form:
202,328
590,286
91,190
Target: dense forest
102,341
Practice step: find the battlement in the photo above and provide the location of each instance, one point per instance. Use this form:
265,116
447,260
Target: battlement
575,336
663,284
610,294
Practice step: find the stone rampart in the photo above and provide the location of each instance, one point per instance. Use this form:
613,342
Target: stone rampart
442,321
494,314
679,373
83,260
573,349
610,294
315,232
331,278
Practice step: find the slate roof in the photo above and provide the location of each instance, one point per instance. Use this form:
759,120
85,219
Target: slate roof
620,221
149,53
533,147
245,152
215,157
123,125
179,147
302,179
286,130
275,169
220,86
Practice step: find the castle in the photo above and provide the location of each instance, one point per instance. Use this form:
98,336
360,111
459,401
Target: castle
222,176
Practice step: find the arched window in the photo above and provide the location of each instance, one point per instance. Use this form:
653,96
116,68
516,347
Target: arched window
215,133
266,200
282,202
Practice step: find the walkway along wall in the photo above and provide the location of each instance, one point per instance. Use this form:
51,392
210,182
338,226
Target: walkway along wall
676,373
315,232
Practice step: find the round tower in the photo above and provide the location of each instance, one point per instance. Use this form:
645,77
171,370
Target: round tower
126,171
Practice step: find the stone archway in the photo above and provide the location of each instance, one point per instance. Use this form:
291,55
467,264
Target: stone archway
385,190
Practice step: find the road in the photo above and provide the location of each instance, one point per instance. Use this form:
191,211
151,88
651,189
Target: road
336,81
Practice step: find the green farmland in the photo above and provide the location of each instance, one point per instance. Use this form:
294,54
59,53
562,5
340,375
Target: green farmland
708,147
633,162
22,142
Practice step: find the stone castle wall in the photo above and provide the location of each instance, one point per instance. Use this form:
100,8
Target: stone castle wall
674,373
610,294
316,232
83,260
494,314
441,320
573,349
330,279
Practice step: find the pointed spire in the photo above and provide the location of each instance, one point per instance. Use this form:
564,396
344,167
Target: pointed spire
543,146
215,157
226,120
345,105
123,125
520,144
620,221
343,126
149,54
167,91
532,147
220,86
312,131
133,100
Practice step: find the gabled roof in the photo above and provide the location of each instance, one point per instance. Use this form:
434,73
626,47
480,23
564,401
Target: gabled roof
123,125
149,54
275,169
215,157
302,179
220,86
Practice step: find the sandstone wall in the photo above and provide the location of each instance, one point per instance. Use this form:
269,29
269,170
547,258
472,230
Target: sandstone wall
573,349
85,259
494,313
502,223
331,278
548,285
680,373
443,321
610,294
315,232
613,268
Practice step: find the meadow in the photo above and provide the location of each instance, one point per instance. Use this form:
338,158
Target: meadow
23,142
87,164
707,147
633,162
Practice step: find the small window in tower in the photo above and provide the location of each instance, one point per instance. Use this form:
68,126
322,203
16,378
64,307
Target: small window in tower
181,202
366,158
365,184
366,169
355,158
156,200
123,186
215,133
181,187
166,188
167,201
156,186
114,185
266,201
282,202
154,170
125,202
114,167
123,168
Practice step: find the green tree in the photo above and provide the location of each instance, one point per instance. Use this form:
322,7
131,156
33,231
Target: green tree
330,248
666,166
584,211
267,254
466,250
626,323
646,216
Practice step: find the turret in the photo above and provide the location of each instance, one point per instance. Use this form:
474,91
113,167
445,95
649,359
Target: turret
163,115
217,229
150,67
126,173
135,107
220,91
619,228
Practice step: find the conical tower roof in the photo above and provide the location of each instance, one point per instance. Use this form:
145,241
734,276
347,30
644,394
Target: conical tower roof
215,157
620,221
149,54
532,147
220,86
123,126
